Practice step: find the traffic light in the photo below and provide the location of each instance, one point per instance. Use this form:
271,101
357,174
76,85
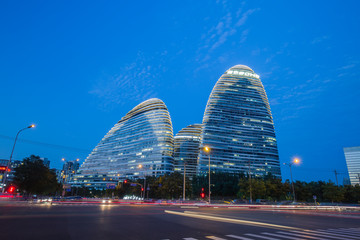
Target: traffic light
142,189
125,181
11,189
202,194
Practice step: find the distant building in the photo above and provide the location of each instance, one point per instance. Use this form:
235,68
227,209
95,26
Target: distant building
186,149
45,160
238,126
68,171
10,177
352,156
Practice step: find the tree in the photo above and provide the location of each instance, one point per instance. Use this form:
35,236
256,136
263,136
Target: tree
332,193
33,177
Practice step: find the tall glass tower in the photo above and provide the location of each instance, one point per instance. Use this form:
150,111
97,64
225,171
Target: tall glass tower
140,144
186,149
352,156
238,126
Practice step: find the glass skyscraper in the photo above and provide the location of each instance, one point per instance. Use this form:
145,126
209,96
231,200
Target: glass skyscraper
186,149
140,144
352,156
238,126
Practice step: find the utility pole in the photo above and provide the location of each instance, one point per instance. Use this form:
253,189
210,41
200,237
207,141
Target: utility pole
336,173
250,182
184,181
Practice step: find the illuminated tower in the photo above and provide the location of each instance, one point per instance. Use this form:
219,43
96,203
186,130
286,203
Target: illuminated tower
140,144
238,126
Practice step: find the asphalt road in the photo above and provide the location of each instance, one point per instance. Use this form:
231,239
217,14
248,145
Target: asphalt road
171,222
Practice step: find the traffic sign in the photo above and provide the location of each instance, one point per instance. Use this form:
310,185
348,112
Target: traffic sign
110,185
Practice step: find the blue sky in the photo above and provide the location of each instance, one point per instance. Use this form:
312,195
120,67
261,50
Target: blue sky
75,68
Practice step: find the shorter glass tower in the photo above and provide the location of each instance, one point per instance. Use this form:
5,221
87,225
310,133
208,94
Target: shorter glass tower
186,149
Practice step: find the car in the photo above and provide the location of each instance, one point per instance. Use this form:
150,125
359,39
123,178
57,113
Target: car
106,201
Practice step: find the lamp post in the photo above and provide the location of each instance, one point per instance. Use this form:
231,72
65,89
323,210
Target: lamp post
207,150
184,181
250,182
12,151
295,161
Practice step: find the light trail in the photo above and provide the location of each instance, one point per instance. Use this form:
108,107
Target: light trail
232,220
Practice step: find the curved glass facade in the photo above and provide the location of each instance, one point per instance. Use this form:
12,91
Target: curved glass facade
140,144
186,149
238,126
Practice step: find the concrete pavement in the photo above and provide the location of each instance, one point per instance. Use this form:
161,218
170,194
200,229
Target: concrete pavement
169,222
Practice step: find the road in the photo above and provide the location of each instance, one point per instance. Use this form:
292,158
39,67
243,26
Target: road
171,222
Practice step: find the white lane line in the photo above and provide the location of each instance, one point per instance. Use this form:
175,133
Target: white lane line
345,234
282,236
356,229
302,235
189,238
238,237
344,230
215,238
259,236
320,234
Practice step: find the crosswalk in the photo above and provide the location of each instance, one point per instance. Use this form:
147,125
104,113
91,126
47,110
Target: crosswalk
317,234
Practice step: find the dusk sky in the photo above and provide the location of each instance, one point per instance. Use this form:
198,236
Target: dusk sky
75,68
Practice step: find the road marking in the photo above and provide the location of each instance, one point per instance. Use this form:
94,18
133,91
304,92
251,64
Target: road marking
321,234
238,237
302,235
215,238
351,232
259,236
232,220
282,236
348,235
188,207
338,234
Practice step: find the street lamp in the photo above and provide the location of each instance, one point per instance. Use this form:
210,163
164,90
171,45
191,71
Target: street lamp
294,161
184,181
12,151
207,149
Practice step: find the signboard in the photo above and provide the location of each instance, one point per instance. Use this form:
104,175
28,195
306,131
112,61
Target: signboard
4,168
110,185
133,184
